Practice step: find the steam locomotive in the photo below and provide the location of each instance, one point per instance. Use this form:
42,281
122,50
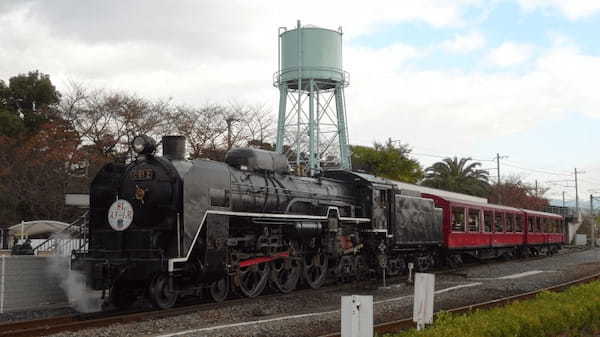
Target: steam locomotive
165,227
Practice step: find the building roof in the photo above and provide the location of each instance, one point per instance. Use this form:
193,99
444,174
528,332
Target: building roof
440,193
39,227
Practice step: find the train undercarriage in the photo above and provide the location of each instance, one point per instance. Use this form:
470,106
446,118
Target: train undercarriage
259,257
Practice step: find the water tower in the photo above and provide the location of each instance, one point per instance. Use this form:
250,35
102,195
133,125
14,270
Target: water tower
312,108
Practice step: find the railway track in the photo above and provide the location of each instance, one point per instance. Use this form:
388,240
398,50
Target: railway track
52,325
407,323
47,326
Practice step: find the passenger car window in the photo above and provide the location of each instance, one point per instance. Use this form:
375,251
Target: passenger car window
519,224
499,222
474,220
458,219
546,225
487,221
530,222
510,221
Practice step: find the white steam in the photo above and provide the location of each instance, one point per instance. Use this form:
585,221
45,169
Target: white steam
72,282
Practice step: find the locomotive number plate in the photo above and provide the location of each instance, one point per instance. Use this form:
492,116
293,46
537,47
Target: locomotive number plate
120,215
143,174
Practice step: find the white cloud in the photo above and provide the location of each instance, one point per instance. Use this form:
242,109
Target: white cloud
201,51
190,50
465,43
510,53
453,111
572,9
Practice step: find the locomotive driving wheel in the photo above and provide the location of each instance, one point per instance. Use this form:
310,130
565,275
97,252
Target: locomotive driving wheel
315,270
253,279
160,295
285,274
219,290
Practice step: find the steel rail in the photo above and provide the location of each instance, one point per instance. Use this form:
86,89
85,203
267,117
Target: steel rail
407,323
52,325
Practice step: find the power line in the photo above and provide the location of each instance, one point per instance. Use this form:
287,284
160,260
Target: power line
443,157
538,170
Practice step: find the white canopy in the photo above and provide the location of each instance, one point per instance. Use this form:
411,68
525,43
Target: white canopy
39,227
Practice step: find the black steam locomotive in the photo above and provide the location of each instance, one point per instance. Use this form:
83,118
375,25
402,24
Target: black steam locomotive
165,227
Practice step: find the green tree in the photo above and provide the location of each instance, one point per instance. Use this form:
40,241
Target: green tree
388,161
30,97
458,175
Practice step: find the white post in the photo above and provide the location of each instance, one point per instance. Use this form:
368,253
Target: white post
2,271
357,316
423,301
410,269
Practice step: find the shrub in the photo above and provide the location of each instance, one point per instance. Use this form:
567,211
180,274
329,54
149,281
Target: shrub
572,312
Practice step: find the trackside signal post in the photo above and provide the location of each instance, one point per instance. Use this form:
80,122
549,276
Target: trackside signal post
312,106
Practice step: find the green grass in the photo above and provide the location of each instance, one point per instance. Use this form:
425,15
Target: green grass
574,312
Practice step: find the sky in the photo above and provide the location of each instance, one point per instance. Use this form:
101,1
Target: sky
449,78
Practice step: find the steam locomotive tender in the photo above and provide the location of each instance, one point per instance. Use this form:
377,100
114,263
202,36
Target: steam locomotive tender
165,227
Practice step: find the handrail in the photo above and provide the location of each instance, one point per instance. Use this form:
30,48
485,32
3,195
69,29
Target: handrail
345,76
81,219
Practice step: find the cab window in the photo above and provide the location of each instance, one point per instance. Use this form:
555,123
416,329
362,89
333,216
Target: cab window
458,219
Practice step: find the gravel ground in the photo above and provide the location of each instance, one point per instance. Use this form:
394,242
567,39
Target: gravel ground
35,314
320,307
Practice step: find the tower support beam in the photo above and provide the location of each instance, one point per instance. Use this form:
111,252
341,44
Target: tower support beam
281,118
342,129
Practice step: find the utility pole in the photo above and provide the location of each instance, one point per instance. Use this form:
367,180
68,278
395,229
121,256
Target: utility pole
498,157
577,193
563,198
536,188
593,224
498,167
229,120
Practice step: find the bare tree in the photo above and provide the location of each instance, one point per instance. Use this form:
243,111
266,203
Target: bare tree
202,127
110,120
259,124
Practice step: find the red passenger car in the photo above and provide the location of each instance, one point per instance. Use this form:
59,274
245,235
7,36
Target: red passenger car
485,230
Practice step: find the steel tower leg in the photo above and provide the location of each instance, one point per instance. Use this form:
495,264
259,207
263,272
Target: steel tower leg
283,92
312,140
342,130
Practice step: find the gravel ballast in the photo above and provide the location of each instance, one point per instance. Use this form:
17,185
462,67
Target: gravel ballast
317,311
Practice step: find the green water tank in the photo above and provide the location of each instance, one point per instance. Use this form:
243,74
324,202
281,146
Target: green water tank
311,53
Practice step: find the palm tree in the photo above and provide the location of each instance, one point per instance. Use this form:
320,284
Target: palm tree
452,174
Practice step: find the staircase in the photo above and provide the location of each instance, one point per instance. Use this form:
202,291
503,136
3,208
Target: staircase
62,243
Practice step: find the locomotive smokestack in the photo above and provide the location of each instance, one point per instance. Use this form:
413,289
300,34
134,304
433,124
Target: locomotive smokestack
174,147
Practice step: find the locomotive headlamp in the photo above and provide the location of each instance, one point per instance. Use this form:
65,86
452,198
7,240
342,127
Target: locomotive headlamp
143,144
